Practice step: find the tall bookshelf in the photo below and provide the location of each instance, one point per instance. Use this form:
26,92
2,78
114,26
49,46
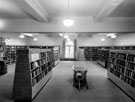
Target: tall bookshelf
56,52
3,67
91,53
10,54
103,57
121,70
33,70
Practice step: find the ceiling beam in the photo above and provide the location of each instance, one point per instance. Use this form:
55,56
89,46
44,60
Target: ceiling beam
34,9
106,9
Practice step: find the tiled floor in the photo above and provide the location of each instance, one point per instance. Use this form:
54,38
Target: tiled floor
60,89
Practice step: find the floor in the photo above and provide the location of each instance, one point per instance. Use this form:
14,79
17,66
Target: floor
60,89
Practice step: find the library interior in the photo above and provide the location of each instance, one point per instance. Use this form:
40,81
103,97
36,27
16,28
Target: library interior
67,51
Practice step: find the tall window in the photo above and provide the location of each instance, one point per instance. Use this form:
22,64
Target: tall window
69,49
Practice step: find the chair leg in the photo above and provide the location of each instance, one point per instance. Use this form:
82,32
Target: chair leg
79,84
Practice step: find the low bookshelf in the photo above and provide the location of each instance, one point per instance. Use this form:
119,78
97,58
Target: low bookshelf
56,52
91,53
103,57
33,71
121,70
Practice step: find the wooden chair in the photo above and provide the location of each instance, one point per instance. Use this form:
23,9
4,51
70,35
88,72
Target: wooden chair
79,79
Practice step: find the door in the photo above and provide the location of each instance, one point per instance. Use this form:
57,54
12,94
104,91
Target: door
69,49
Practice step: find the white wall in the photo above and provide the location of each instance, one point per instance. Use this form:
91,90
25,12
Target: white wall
125,39
46,40
14,39
82,24
93,40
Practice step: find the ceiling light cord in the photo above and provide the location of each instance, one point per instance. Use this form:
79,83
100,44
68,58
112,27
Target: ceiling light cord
68,9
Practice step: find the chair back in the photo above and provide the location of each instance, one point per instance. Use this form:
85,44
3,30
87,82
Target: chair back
81,75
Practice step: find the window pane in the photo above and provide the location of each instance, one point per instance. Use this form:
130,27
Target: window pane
67,52
71,52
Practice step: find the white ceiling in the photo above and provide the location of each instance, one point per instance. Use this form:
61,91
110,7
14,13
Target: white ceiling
77,8
86,9
58,8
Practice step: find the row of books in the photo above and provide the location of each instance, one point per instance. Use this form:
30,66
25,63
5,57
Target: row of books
36,72
110,65
119,75
91,53
120,62
112,60
34,65
130,73
131,58
120,69
121,56
43,54
36,80
131,66
129,81
43,67
112,55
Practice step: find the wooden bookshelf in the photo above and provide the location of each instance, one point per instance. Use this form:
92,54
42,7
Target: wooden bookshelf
56,52
121,70
103,57
33,70
3,67
91,53
10,53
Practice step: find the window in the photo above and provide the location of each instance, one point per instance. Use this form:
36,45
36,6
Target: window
69,49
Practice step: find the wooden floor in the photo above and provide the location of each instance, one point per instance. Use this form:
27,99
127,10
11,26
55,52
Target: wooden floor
60,89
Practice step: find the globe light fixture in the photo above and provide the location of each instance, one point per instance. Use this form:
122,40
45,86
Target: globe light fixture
68,22
35,39
113,36
66,36
102,39
22,36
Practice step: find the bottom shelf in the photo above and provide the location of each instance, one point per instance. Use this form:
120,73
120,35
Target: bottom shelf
125,87
36,89
57,62
101,63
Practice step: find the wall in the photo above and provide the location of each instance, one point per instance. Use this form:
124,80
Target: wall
14,39
93,40
125,39
82,24
46,40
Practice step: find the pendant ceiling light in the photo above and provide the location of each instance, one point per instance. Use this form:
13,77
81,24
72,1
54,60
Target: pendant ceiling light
68,22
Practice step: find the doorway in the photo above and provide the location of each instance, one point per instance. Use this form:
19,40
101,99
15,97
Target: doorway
69,50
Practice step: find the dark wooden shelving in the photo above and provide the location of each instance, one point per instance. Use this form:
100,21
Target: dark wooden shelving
121,71
31,74
103,57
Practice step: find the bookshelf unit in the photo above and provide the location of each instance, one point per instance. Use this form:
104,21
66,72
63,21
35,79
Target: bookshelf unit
33,71
121,70
10,54
103,57
3,67
91,53
56,52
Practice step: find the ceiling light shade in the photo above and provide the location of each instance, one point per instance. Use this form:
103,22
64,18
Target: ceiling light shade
68,39
61,34
22,36
113,36
28,34
68,22
66,36
102,39
35,39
